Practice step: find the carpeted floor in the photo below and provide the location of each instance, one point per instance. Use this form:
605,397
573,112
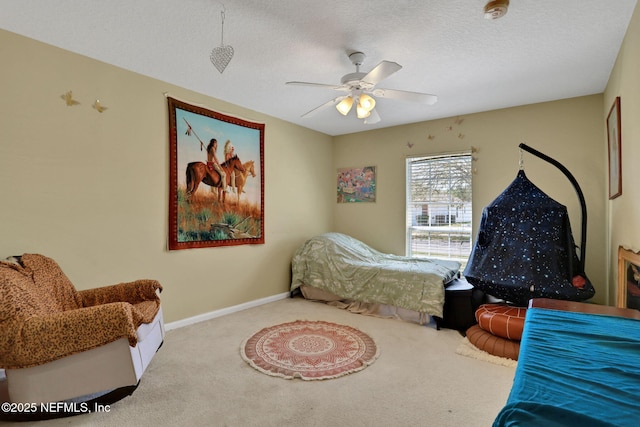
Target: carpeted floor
199,378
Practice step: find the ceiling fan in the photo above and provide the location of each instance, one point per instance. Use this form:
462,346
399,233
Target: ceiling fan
361,90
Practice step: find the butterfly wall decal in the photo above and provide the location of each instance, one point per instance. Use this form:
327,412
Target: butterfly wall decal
98,106
68,99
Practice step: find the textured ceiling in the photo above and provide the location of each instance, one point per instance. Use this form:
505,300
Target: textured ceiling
541,50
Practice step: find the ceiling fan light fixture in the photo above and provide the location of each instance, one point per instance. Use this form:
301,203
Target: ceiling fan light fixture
362,112
345,105
373,118
496,9
366,102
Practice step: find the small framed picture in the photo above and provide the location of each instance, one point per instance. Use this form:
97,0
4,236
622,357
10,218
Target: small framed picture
615,150
628,279
356,185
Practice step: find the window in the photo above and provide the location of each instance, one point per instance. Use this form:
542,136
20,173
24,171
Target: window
439,207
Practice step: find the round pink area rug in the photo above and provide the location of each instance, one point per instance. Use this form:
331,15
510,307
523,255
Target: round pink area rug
310,350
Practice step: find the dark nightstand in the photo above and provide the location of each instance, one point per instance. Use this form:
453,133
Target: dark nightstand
461,300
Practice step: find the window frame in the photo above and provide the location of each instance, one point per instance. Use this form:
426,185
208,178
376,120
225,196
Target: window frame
441,223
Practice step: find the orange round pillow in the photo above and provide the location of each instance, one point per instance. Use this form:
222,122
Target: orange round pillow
492,344
502,320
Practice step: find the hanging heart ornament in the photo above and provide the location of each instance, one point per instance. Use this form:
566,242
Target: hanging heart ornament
221,56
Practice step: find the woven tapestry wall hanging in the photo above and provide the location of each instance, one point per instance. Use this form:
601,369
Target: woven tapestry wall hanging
216,188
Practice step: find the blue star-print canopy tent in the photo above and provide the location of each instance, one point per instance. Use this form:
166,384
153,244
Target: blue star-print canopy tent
525,249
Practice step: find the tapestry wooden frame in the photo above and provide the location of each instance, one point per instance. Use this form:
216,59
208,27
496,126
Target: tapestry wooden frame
628,279
208,216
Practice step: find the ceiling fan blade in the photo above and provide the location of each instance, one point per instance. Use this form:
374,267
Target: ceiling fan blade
422,98
323,106
374,117
381,71
320,85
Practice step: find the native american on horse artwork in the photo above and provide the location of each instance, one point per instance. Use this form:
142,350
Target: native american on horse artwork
241,178
198,172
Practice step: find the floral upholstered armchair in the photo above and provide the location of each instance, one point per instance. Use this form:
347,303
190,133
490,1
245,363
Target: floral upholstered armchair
57,343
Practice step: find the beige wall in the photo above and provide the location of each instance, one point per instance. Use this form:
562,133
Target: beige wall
90,190
624,211
569,131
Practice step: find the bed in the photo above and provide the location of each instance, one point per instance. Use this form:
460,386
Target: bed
341,270
576,368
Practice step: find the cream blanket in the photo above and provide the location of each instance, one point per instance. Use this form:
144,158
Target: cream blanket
349,269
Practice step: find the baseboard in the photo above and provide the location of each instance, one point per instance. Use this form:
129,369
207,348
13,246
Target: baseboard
223,311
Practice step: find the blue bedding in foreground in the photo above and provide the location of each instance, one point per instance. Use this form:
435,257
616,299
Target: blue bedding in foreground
575,369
